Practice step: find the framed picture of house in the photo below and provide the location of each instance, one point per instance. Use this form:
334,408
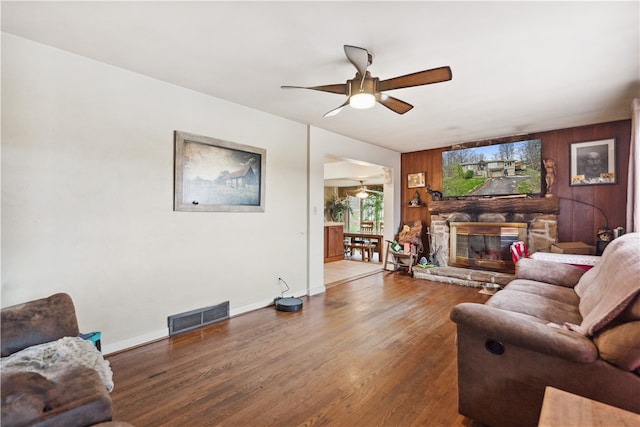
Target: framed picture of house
593,162
212,175
415,180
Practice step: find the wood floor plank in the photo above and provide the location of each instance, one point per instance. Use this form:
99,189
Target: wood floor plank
376,351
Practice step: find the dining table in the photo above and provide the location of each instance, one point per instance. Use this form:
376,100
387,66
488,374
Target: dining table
370,235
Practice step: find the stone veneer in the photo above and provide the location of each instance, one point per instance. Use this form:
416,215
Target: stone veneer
540,214
462,276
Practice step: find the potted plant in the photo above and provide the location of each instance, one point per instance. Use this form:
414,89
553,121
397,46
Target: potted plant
336,208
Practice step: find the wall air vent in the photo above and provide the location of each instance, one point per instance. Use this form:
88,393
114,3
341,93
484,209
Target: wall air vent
196,318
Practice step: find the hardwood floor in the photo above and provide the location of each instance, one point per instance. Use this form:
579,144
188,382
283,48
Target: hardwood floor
339,272
377,351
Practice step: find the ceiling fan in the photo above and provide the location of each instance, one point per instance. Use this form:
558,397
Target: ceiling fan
363,91
363,192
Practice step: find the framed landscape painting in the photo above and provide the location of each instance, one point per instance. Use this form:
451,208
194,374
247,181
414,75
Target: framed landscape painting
212,175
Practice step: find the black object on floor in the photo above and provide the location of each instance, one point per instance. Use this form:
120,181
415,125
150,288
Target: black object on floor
288,304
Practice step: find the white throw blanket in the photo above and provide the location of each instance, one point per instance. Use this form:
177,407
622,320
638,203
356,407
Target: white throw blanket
52,359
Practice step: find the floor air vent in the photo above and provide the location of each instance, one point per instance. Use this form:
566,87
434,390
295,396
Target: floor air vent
196,318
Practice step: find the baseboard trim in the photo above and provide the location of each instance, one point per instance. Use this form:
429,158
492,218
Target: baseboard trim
137,341
140,340
317,290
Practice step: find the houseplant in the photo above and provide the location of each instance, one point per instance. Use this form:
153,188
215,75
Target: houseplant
336,208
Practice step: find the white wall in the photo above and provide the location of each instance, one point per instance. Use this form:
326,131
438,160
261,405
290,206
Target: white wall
87,197
322,143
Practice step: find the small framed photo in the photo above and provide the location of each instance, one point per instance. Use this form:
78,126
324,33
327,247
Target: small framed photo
593,162
415,180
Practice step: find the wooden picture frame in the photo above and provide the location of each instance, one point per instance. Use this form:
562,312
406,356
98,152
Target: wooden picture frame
415,180
592,162
212,175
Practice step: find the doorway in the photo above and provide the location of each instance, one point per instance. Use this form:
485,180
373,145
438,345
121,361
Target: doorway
354,196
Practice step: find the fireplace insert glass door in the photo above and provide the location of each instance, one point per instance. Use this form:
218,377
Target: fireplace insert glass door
485,245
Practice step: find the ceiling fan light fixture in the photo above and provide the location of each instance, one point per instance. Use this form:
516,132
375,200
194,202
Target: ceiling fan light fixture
362,194
363,91
362,101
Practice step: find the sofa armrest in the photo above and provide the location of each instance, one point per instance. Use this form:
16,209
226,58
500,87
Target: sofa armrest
509,328
36,322
77,397
548,272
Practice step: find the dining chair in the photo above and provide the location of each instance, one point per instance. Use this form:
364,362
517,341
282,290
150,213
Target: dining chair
366,226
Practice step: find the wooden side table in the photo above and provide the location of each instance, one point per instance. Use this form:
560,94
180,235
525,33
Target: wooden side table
563,409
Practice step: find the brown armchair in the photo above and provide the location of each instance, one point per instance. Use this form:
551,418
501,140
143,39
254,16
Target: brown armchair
76,397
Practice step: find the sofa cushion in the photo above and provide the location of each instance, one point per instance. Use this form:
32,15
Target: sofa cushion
558,293
545,309
548,272
620,345
607,289
46,319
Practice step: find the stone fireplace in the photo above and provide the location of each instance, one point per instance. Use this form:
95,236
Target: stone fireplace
538,228
484,245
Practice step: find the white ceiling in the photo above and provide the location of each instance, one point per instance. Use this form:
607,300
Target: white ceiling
518,67
350,173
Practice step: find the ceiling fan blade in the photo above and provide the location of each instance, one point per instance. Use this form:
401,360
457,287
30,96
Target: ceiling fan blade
394,104
359,57
335,111
435,75
340,88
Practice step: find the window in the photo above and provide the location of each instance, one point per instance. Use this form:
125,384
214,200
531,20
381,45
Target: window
369,209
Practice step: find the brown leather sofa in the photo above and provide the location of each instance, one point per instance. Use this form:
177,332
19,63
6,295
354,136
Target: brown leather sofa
554,325
76,398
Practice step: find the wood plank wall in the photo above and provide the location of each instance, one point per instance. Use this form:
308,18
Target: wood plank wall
576,221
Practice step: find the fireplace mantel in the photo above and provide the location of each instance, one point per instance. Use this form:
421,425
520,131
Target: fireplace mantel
545,205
